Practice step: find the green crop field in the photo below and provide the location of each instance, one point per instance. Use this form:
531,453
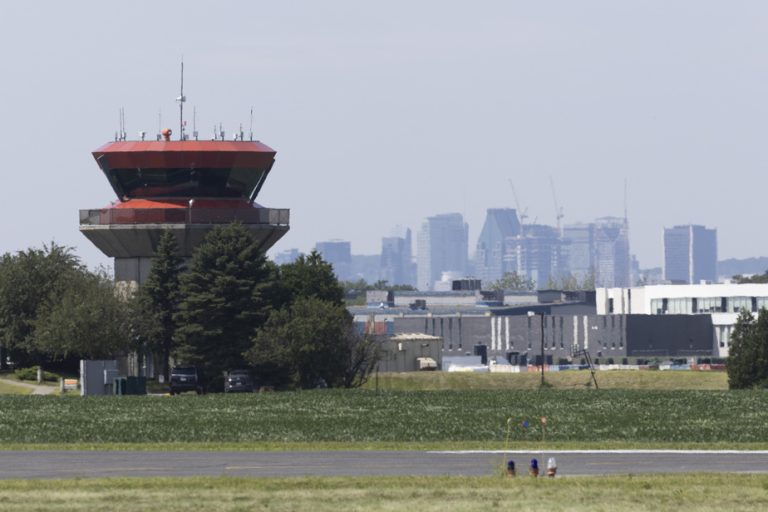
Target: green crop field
654,493
479,418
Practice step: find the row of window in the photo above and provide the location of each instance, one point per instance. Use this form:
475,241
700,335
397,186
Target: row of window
694,305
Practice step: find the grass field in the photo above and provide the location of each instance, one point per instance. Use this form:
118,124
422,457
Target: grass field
617,379
7,388
700,492
474,418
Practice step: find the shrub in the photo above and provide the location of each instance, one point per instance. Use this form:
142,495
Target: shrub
31,374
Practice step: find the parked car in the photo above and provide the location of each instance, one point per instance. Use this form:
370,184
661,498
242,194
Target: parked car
238,381
186,378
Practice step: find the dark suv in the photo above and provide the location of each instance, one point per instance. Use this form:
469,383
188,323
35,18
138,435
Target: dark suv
186,378
238,381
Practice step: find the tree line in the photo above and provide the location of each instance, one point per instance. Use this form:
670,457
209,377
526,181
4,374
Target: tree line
227,307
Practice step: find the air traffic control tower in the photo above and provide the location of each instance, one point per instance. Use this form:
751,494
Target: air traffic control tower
186,186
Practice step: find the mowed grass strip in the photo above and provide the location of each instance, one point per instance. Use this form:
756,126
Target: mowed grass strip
597,417
678,492
8,388
607,379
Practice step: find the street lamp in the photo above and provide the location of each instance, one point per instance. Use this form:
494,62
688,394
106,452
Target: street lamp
532,313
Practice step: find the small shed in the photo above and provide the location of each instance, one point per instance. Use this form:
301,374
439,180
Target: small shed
411,352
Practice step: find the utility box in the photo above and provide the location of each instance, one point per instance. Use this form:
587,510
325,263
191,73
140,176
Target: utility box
97,376
135,385
119,385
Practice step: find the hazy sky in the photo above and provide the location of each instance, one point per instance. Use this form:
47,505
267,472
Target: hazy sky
383,113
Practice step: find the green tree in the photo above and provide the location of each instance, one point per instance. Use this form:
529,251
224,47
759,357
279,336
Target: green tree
225,298
757,278
513,281
313,341
157,302
311,276
88,320
30,281
748,351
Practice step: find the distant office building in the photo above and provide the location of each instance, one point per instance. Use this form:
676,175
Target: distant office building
441,246
339,254
364,266
579,251
287,256
612,259
396,260
535,254
690,254
501,224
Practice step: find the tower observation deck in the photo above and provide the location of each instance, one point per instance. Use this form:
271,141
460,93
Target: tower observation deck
185,186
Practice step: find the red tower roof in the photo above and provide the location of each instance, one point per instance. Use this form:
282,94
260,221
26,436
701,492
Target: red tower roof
185,169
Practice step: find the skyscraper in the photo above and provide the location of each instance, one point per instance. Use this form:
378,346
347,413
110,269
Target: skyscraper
396,260
339,254
579,251
441,246
612,252
690,254
501,224
535,254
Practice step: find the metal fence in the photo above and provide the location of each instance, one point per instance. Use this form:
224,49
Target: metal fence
271,216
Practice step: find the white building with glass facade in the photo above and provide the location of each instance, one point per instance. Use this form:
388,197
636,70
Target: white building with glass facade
723,302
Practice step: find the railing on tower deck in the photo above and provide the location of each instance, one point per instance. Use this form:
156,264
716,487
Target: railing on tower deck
270,216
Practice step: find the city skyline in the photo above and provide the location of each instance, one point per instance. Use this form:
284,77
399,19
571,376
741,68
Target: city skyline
413,108
596,252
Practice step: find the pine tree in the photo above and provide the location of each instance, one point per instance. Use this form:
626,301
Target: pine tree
748,352
226,297
311,276
158,300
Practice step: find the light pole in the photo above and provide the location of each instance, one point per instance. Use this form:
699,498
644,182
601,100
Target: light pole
542,349
530,314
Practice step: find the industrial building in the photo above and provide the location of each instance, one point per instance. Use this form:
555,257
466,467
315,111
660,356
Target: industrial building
722,303
557,325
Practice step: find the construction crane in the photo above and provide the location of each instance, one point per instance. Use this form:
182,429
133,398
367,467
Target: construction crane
522,214
558,209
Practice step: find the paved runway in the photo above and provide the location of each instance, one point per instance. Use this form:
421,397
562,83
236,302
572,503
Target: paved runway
87,464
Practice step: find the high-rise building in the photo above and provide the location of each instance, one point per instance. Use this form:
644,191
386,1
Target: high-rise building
339,254
396,261
690,254
612,269
501,224
441,247
286,256
535,254
579,251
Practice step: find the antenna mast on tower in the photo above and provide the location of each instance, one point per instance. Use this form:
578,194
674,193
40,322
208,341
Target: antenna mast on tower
181,99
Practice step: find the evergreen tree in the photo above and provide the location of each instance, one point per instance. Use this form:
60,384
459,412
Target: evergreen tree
311,276
748,351
158,300
225,298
